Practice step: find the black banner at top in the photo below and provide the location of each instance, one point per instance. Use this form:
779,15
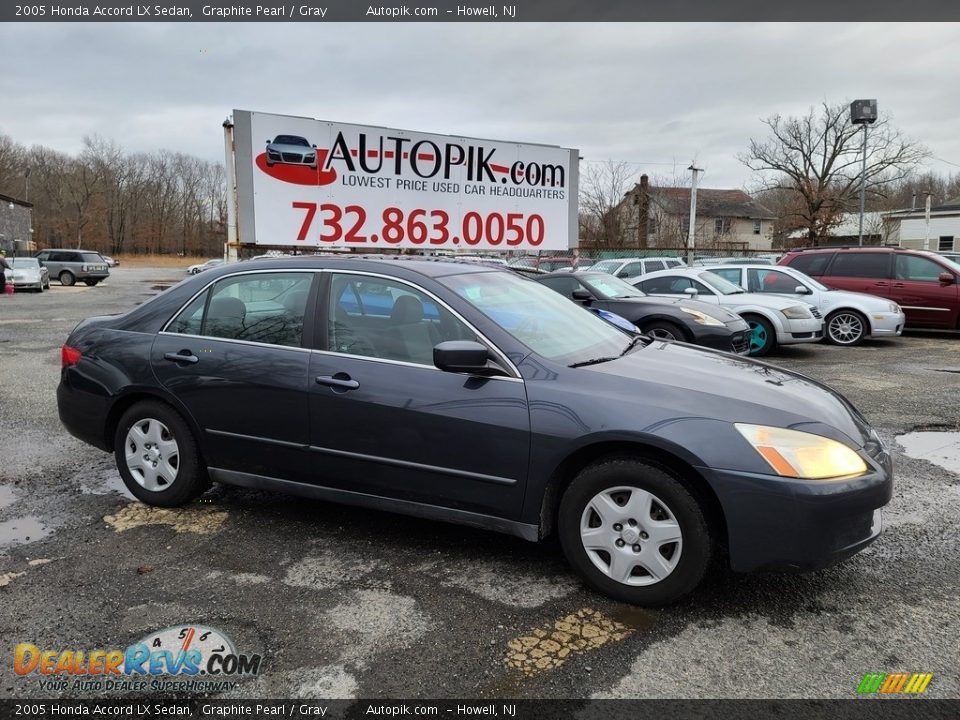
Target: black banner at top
320,11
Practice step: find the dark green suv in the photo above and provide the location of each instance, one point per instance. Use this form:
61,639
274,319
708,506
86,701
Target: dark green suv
68,266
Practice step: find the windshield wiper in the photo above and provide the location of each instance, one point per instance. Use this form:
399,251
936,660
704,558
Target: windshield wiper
595,361
632,344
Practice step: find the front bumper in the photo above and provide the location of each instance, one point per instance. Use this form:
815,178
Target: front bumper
27,284
785,523
720,338
887,324
800,331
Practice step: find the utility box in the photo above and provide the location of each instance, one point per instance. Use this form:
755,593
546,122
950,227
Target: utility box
863,112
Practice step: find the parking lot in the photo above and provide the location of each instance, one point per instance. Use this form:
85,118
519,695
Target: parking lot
344,602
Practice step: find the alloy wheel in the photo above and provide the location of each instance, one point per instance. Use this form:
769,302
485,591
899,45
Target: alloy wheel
845,328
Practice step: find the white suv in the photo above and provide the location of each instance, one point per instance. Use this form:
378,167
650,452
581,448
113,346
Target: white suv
630,268
849,317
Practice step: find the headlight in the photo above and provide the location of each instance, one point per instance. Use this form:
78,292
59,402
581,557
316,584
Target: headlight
702,318
797,312
894,308
802,455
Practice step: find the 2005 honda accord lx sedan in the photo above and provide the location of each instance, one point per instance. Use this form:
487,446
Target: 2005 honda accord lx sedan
466,393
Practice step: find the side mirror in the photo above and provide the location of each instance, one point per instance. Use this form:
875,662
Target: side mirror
947,278
314,147
269,141
801,290
691,292
464,356
582,296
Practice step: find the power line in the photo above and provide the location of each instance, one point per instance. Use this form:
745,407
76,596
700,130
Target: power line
945,161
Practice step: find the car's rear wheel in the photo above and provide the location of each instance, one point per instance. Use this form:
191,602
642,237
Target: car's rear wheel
634,532
67,278
663,330
157,455
763,338
846,327
90,282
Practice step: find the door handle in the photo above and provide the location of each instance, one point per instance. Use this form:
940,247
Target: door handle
899,285
338,382
184,356
880,284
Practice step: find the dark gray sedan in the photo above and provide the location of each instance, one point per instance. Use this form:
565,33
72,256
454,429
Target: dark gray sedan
663,318
468,394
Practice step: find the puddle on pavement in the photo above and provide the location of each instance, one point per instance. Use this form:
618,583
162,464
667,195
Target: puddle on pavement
940,448
22,530
104,484
6,496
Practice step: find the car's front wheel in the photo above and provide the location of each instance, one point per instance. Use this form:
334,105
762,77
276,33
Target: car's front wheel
634,532
663,330
845,327
157,455
763,338
67,278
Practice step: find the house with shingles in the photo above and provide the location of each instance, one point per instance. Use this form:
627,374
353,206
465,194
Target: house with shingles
728,220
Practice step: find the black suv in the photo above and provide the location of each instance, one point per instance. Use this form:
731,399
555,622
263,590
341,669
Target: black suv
68,266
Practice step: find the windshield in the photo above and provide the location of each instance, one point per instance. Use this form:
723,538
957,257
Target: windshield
721,285
807,280
951,263
606,266
546,322
612,287
25,262
290,140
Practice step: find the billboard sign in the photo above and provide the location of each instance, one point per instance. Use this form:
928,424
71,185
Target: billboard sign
309,183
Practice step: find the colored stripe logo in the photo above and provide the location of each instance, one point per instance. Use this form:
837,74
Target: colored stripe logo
894,683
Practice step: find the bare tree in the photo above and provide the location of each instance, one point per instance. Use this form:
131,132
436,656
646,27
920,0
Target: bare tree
818,157
603,220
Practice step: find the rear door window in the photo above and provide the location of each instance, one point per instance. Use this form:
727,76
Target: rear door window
731,274
860,264
811,263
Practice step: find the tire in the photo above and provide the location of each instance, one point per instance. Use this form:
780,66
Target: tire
763,338
67,279
182,475
620,487
663,330
90,282
845,327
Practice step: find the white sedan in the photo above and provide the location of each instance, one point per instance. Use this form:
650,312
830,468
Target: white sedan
26,273
849,317
773,320
200,267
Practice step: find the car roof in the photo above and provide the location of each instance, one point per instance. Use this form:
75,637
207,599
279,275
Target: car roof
430,267
684,271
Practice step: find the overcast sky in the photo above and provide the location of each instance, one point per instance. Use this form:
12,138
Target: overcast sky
643,93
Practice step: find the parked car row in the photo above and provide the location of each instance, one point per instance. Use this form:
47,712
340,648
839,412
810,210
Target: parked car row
69,266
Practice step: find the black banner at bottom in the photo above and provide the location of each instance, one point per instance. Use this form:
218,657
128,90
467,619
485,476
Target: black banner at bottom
853,709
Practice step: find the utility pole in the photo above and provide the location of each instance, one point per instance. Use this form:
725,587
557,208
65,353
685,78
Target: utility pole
863,112
926,215
692,231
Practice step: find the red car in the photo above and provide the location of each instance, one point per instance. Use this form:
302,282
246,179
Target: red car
923,283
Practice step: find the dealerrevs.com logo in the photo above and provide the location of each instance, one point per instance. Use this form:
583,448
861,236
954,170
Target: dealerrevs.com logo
294,159
188,658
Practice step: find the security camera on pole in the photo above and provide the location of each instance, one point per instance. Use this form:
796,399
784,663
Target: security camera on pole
863,112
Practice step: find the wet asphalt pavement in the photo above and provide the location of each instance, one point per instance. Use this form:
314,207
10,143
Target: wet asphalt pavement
344,602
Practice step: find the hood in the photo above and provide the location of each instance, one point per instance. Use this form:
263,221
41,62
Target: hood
720,313
685,377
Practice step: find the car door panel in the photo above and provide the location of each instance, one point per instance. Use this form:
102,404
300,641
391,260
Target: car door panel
406,429
249,398
420,434
917,289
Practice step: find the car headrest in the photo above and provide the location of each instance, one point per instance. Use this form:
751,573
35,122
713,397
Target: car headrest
407,309
223,308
